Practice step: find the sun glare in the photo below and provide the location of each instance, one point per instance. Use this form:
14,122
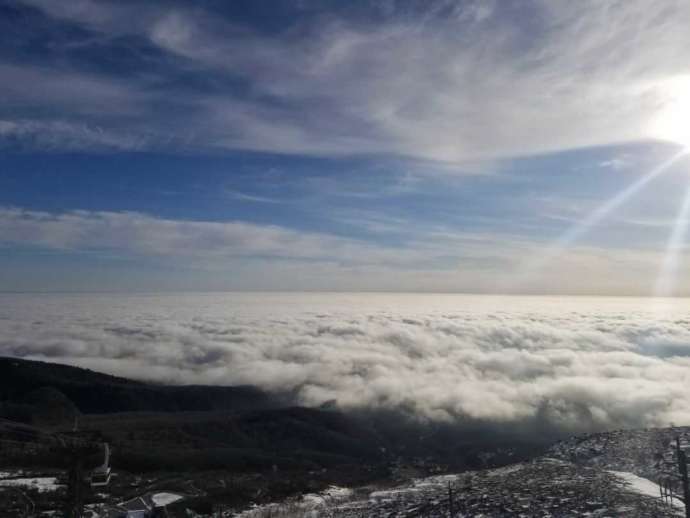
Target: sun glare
673,122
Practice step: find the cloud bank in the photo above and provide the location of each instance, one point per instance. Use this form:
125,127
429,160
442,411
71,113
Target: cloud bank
449,81
242,255
578,363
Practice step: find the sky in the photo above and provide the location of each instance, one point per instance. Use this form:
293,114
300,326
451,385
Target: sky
533,146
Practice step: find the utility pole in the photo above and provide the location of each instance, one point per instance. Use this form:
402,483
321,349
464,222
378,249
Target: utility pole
74,506
683,470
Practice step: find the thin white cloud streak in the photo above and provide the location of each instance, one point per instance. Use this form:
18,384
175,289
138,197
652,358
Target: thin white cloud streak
251,256
209,242
148,235
60,135
559,75
80,111
578,363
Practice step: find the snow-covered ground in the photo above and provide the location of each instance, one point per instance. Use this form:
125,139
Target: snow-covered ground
332,494
162,499
42,484
543,487
644,487
311,504
11,474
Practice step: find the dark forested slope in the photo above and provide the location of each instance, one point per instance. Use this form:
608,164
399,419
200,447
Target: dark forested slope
94,392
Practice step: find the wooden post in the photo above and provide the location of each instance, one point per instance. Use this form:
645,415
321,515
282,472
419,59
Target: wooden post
683,469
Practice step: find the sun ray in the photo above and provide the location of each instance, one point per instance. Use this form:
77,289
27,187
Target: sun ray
535,264
667,279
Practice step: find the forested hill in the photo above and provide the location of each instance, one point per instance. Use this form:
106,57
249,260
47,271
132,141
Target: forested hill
94,392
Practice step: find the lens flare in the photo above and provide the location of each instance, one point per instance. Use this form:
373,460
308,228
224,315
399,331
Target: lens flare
668,273
533,266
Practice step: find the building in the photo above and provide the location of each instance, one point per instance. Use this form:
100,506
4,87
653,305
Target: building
135,508
100,475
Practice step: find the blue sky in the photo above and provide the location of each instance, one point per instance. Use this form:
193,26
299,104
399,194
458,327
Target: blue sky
381,145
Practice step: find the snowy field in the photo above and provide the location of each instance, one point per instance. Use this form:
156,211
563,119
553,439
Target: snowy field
547,487
20,479
645,487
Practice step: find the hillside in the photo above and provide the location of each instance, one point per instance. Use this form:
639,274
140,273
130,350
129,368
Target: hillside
229,447
209,427
94,392
540,488
602,474
263,448
649,452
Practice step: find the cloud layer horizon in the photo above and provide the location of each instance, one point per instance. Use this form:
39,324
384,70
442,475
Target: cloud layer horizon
574,363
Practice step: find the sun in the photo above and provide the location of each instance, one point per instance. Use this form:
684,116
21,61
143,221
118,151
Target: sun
673,121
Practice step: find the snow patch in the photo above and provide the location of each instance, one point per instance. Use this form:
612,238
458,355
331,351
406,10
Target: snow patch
643,486
308,505
332,494
11,474
163,499
505,470
41,484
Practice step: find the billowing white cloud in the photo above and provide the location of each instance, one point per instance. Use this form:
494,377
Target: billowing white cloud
459,81
577,362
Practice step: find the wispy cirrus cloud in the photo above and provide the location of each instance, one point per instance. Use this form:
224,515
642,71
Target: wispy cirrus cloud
59,90
65,136
453,81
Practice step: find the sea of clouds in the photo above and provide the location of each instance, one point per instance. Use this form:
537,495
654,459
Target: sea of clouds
579,363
